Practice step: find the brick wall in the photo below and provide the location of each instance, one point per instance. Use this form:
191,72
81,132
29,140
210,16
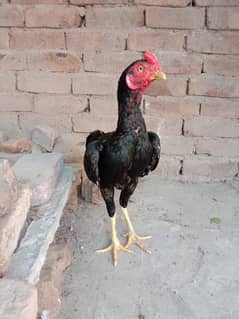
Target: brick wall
60,61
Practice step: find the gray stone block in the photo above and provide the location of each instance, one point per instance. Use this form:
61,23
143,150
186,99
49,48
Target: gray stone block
42,172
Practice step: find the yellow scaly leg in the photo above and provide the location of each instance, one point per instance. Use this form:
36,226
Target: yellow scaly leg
133,238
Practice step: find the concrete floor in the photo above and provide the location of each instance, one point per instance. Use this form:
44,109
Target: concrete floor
193,271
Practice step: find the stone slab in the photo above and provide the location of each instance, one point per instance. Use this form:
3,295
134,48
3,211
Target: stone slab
42,171
31,254
45,136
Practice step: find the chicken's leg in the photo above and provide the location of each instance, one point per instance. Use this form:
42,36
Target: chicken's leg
116,245
133,238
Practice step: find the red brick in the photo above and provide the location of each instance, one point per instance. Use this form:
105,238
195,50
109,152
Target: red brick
117,17
60,122
220,107
112,62
11,16
37,39
4,39
16,145
104,105
225,147
170,105
13,60
223,18
54,104
39,1
180,63
7,82
15,102
222,65
168,166
211,127
167,3
175,18
177,145
167,125
84,40
9,121
88,2
173,86
43,82
85,122
93,83
54,61
156,40
217,86
54,16
214,42
216,2
209,167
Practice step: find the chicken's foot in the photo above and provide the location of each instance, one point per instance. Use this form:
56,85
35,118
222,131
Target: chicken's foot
116,245
133,238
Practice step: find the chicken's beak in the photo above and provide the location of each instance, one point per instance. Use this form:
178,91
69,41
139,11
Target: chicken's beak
159,76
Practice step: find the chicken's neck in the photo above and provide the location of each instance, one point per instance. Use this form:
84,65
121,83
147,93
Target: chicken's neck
129,113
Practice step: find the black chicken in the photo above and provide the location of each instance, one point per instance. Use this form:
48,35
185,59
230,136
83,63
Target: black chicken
119,158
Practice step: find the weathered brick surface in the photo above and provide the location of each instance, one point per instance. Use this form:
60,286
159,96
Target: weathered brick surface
16,145
119,17
210,167
173,86
213,42
217,86
103,105
53,17
11,16
7,81
224,147
109,62
88,2
216,2
18,299
13,60
170,125
175,18
169,166
61,122
8,121
85,123
177,145
161,106
39,1
180,63
55,104
220,107
37,39
103,84
170,3
223,18
222,65
43,82
211,127
61,61
15,102
156,40
95,40
4,39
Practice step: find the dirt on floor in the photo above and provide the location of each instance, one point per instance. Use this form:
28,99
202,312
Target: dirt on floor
192,272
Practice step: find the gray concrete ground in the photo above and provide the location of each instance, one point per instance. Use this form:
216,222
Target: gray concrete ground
193,272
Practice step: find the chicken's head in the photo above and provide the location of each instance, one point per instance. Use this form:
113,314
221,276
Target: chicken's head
142,72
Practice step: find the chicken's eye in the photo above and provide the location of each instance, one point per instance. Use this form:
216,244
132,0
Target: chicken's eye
140,68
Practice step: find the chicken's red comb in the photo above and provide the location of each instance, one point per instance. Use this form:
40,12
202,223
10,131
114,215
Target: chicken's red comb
151,58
